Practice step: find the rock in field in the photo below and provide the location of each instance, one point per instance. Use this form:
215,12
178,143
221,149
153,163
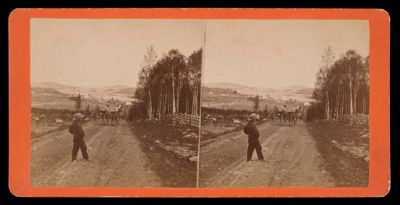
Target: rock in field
190,135
194,159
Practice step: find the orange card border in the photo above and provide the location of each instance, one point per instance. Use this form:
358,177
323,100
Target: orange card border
19,100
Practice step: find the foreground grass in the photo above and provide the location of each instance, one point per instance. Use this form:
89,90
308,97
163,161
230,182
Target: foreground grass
172,155
210,131
345,150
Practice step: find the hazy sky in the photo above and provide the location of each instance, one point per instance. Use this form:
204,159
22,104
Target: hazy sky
87,52
262,53
275,53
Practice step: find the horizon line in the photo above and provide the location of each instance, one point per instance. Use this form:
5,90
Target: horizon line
253,86
83,86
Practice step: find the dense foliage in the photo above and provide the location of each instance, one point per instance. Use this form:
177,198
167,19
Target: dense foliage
170,85
342,86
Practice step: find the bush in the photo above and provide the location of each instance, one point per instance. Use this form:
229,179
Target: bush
315,112
137,111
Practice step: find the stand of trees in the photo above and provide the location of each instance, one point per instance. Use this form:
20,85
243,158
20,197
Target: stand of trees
170,85
78,99
256,102
342,86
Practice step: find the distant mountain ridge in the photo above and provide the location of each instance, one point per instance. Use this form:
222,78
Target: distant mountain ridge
59,85
296,87
50,85
227,85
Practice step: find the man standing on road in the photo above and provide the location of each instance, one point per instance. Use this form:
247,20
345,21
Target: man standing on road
78,143
252,132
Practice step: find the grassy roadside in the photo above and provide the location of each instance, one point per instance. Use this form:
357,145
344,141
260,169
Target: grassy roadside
345,150
171,150
35,133
210,131
44,129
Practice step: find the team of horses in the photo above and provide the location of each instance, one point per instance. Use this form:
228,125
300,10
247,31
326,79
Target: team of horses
289,117
111,116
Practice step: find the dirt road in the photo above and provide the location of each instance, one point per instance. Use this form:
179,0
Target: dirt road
292,160
116,157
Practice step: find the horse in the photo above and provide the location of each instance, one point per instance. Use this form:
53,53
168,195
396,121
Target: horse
94,115
299,114
291,118
114,115
294,116
282,116
272,116
104,115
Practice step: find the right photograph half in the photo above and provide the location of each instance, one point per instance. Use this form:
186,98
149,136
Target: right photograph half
285,103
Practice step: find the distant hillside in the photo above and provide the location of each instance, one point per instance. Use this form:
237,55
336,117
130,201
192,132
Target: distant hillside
101,93
50,85
294,92
43,90
305,91
130,90
59,86
217,90
294,87
232,86
235,86
118,87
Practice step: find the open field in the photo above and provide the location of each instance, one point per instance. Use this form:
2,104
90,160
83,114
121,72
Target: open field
235,97
41,128
44,121
49,98
56,96
215,122
229,99
52,108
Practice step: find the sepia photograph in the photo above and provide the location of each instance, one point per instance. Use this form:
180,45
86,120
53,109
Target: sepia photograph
285,103
198,102
115,102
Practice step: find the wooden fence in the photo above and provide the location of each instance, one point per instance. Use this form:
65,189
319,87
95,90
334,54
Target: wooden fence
176,119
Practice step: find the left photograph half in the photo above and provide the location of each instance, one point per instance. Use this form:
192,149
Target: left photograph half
115,102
